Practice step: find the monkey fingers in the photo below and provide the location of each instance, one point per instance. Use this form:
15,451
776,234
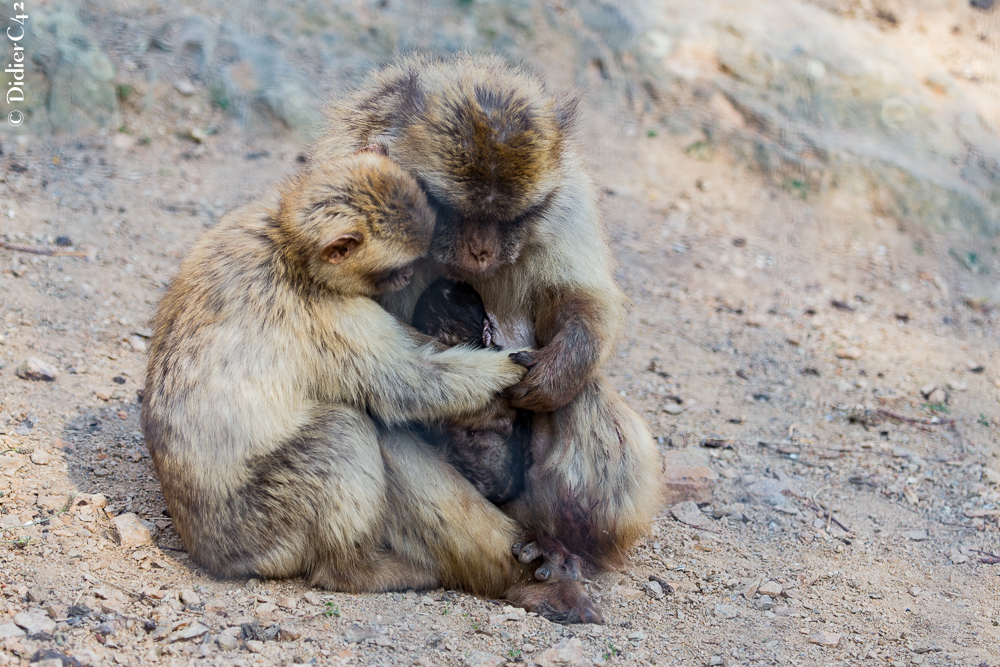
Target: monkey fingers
549,383
556,559
560,600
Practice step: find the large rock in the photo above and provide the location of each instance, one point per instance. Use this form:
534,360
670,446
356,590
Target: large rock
823,102
687,476
248,74
128,530
79,87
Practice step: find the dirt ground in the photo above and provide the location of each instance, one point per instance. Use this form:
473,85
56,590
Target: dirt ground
830,377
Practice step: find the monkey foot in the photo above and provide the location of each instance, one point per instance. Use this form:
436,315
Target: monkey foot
556,559
559,600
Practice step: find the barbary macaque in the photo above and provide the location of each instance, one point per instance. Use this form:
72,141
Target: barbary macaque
518,220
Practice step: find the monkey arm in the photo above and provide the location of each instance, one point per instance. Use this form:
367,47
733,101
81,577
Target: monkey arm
398,380
577,331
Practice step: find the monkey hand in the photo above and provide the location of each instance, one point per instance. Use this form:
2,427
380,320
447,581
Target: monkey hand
557,561
546,387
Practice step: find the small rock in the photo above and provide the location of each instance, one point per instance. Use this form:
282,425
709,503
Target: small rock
637,636
753,587
383,641
198,135
185,87
915,591
688,513
992,476
916,535
40,457
255,646
35,624
48,662
771,589
48,501
920,649
824,638
313,598
687,476
191,631
848,353
227,642
937,397
287,603
37,595
626,592
189,597
10,631
672,408
568,652
128,530
716,660
136,343
653,590
266,609
957,557
726,611
483,659
357,633
956,385
927,390
36,369
122,141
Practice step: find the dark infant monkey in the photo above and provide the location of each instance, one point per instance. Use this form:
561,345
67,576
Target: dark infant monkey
494,456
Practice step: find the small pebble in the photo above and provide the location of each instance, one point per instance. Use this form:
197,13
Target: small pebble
37,370
824,638
40,457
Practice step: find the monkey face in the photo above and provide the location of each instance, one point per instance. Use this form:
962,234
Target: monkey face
488,153
362,222
472,248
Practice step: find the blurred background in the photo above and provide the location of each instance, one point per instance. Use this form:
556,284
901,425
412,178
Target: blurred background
893,101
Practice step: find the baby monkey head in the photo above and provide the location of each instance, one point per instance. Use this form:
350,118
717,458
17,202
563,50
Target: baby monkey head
358,224
487,147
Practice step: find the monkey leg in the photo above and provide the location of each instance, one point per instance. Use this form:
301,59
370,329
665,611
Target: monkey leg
593,486
314,506
439,522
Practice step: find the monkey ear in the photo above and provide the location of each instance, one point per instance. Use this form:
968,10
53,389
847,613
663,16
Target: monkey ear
378,149
339,249
566,108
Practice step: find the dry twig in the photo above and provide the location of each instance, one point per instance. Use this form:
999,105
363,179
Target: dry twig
42,251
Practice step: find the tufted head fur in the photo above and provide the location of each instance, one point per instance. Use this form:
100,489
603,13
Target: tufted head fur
355,225
486,140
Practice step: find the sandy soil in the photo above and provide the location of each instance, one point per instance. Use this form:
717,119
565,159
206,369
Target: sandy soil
831,377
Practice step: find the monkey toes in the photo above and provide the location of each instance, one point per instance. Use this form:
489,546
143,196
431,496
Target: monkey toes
559,600
556,559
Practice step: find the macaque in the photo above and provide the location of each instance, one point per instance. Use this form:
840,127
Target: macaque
518,220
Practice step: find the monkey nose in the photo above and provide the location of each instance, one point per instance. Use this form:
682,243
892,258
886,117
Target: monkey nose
482,256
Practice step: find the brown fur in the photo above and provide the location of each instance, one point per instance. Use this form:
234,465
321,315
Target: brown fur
517,218
268,358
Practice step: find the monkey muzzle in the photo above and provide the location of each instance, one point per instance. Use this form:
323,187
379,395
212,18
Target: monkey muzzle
396,279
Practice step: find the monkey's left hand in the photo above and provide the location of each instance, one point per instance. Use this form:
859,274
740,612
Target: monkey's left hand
552,380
